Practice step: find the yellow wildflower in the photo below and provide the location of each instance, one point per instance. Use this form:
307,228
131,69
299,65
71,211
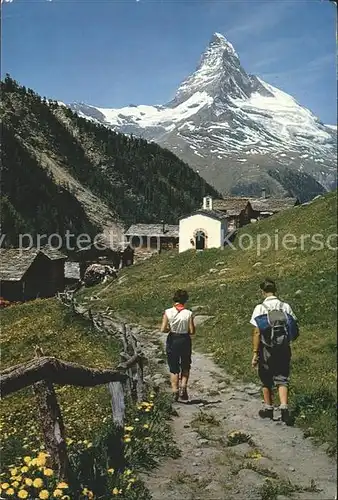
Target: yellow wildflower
24,468
48,472
40,461
23,494
15,484
29,481
111,471
127,439
57,493
115,491
146,426
37,483
62,485
4,486
14,471
129,428
10,491
43,494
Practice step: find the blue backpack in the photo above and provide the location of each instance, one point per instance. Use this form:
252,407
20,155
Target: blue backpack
277,328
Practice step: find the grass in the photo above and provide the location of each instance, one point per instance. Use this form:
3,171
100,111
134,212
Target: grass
208,427
272,488
306,278
90,432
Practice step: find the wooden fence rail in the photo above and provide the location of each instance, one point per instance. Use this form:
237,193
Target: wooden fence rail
44,371
55,371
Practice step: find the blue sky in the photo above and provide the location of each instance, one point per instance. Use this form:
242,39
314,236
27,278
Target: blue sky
114,53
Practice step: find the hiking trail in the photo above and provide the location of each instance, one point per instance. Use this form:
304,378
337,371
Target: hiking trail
265,460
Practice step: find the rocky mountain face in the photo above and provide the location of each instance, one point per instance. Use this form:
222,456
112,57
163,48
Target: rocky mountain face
237,131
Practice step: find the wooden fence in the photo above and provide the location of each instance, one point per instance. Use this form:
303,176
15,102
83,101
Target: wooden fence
44,371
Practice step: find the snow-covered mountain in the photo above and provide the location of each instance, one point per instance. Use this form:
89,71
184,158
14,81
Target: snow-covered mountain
238,131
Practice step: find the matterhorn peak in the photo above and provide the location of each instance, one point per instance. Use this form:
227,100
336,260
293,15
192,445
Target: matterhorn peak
218,40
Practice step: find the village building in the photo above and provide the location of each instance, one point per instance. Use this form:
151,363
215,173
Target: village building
152,237
206,228
238,211
117,257
265,207
27,274
243,210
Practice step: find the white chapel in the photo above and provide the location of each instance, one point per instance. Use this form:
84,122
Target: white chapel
203,229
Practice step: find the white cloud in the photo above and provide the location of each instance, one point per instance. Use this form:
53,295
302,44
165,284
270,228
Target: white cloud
306,74
280,51
257,19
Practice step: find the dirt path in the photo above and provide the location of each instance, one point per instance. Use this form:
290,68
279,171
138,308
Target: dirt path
272,462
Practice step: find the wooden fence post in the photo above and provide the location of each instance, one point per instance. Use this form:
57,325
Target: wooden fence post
139,367
52,426
116,390
130,385
139,382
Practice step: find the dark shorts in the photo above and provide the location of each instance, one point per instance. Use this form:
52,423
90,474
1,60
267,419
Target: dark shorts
274,366
178,349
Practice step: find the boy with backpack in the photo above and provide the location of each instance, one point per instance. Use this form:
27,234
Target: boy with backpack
275,327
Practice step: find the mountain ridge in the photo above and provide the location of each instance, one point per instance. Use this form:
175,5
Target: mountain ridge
234,128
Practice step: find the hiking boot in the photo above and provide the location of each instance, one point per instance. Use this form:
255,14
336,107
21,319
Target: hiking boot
266,413
286,417
184,394
175,396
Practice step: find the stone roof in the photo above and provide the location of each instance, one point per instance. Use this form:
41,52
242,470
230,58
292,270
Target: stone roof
170,231
232,205
53,253
14,262
214,214
272,204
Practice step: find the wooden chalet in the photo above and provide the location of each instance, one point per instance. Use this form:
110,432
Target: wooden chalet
238,211
153,236
264,207
241,210
27,274
117,257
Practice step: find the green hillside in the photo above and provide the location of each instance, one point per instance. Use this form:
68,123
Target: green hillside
50,154
86,411
306,277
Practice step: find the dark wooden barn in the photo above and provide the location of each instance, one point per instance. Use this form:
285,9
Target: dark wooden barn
27,274
153,236
118,257
238,211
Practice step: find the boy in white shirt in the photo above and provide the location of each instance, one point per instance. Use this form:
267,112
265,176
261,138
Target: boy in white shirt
271,347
